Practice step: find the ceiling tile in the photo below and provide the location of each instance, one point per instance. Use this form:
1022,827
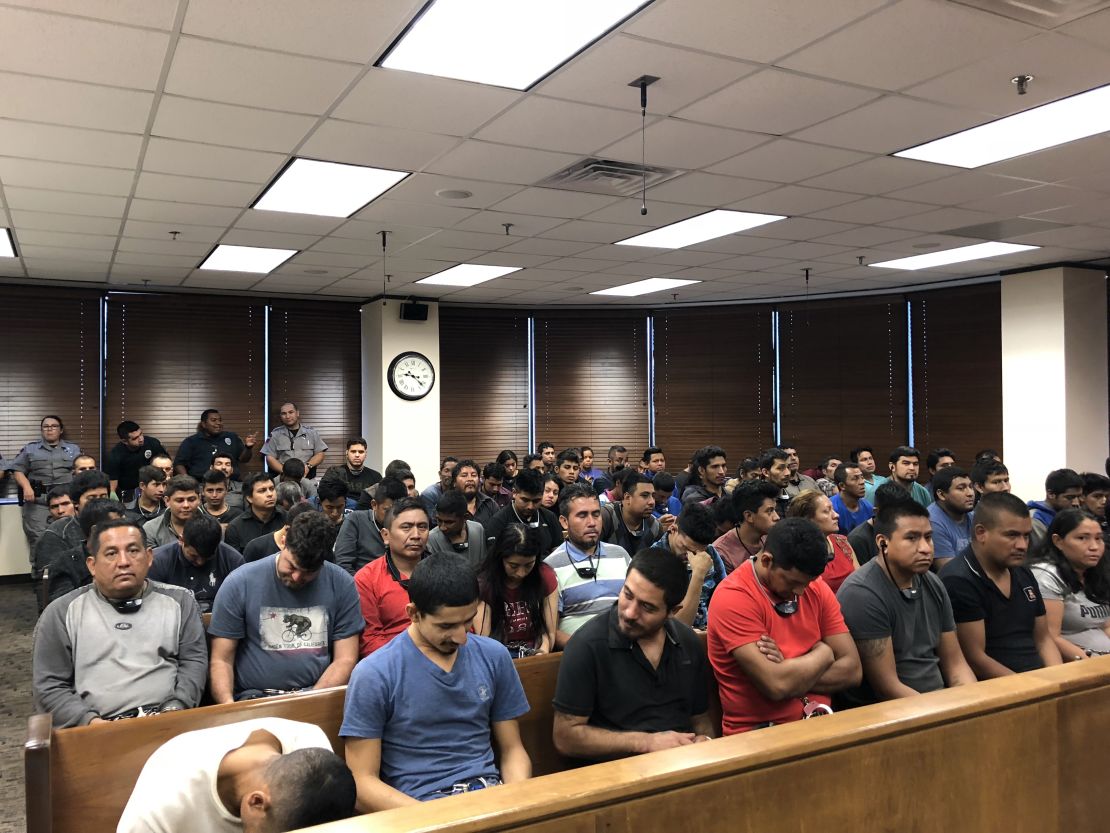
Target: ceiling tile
82,50
59,239
1060,66
194,249
64,202
799,228
194,159
282,221
1030,200
226,124
154,186
675,143
1093,213
961,188
602,73
443,215
126,273
872,210
399,234
865,236
255,77
627,210
594,232
69,144
70,103
471,240
751,29
890,124
511,259
334,260
212,279
1075,159
709,190
777,102
269,239
687,257
65,222
164,211
784,160
78,259
552,202
805,251
348,30
943,219
523,225
154,14
500,163
792,200
548,124
553,248
155,259
908,42
60,176
880,175
161,231
423,102
382,147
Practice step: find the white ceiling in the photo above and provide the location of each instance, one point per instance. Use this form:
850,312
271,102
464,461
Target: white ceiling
124,120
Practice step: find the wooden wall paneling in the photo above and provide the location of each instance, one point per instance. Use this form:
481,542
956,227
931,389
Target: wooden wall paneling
957,370
591,380
170,359
316,362
843,376
483,382
713,382
49,364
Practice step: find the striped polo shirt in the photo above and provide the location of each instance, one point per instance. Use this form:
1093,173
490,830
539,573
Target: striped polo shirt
580,599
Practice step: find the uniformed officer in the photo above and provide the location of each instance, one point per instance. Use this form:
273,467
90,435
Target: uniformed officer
195,455
292,439
40,466
133,451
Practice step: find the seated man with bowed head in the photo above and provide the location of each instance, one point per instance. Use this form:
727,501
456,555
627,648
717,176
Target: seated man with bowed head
287,623
997,603
255,776
200,562
777,642
633,680
420,712
121,646
899,613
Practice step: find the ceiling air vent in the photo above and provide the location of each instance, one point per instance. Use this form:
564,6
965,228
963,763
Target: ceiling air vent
1045,13
607,176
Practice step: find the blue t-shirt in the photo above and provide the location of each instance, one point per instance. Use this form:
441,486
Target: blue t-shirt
949,538
847,521
285,636
434,725
672,507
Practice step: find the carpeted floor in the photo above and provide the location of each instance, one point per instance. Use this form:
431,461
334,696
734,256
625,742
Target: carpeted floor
17,621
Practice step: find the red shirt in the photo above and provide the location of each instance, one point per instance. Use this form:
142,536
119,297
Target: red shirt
841,565
383,601
739,613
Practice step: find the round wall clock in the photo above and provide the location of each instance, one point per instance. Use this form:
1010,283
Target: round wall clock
411,375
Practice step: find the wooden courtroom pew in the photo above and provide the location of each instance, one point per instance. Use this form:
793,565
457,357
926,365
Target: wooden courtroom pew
79,779
1021,754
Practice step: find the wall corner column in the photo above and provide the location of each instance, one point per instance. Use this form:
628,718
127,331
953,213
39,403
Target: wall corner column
1055,410
394,427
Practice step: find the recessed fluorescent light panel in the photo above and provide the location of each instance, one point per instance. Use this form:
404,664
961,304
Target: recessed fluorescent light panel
701,228
327,189
506,43
246,259
1056,123
960,255
7,244
468,274
631,290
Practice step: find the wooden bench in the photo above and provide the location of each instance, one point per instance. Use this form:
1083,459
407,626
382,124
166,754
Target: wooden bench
1023,754
79,779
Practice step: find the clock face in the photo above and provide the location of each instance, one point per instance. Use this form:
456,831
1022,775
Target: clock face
411,376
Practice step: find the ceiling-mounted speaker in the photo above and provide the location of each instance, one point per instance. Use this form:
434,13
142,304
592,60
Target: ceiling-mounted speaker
412,311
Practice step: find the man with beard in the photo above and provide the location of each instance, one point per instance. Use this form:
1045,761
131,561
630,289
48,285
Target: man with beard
618,459
433,493
708,475
774,463
951,513
404,748
289,622
899,613
480,506
633,679
354,473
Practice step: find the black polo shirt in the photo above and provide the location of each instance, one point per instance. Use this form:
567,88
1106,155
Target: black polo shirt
123,463
170,566
247,527
605,676
196,452
1008,622
356,483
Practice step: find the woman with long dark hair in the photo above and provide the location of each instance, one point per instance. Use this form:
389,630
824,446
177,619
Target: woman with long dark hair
519,594
1075,584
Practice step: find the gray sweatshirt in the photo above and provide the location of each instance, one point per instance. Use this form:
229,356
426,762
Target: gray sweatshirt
90,660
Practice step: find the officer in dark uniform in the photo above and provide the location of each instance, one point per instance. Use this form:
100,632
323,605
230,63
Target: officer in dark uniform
131,453
194,457
40,466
